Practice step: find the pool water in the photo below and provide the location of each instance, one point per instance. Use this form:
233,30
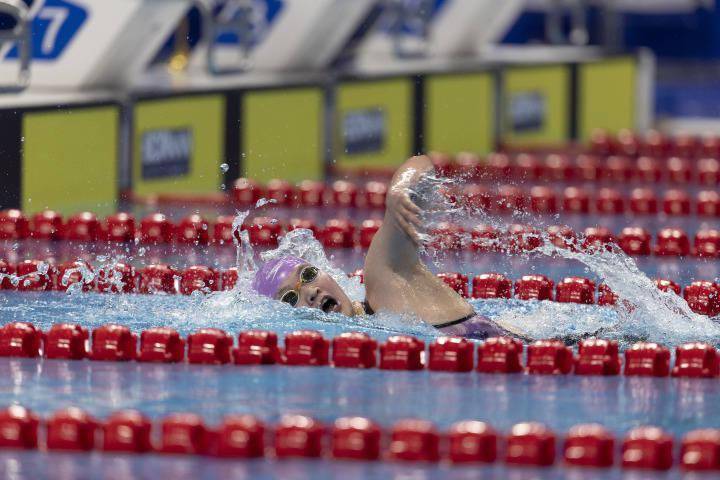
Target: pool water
620,403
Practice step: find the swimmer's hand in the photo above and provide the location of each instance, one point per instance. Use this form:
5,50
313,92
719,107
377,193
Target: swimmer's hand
399,204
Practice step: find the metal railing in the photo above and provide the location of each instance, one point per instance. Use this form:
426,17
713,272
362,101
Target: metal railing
236,18
16,32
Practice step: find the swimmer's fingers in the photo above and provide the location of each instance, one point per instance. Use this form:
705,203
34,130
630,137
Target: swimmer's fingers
407,228
407,203
411,217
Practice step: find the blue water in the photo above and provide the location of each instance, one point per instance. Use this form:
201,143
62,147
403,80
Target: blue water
620,403
69,466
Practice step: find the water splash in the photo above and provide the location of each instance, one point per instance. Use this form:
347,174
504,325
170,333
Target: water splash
643,312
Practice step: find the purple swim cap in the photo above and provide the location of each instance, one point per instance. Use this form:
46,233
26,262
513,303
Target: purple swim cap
273,273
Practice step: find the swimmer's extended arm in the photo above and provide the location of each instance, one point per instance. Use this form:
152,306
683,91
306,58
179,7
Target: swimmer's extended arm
396,280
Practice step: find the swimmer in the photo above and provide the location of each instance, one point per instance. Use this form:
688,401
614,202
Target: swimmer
396,280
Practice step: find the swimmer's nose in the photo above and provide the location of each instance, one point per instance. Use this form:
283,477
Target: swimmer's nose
311,294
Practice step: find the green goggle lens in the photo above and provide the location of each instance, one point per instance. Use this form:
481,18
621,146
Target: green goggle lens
290,297
309,274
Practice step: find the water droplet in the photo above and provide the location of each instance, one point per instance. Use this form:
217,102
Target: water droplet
264,201
224,167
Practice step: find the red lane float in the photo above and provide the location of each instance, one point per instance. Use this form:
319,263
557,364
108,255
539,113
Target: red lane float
161,344
696,360
700,450
500,355
263,231
183,433
281,192
672,242
199,278
256,347
575,290
82,227
113,343
354,350
338,233
634,241
66,341
311,193
306,347
18,428
299,436
472,442
71,429
647,359
530,444
66,274
667,285
491,285
414,440
20,339
534,287
643,201
241,436
647,448
707,243
127,431
210,346
589,445
157,278
46,225
606,296
355,438
402,352
549,357
246,192
451,354
193,230
223,230
34,276
13,225
597,357
703,297
119,227
156,229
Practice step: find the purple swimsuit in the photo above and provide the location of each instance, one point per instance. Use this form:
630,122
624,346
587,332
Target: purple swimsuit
474,326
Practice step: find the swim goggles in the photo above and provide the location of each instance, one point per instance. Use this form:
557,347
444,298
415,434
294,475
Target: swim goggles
308,274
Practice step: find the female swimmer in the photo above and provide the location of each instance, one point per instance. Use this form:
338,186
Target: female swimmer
396,280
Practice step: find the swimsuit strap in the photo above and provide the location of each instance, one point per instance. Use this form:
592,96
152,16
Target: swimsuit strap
455,322
368,309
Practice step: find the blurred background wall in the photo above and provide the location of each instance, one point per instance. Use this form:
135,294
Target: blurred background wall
119,98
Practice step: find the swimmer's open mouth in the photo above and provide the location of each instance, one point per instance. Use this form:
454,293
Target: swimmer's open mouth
329,304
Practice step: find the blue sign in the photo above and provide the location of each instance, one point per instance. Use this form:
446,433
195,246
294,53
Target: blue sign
526,111
166,153
257,19
363,131
53,28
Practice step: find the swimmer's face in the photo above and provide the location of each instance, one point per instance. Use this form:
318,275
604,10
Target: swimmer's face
308,286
